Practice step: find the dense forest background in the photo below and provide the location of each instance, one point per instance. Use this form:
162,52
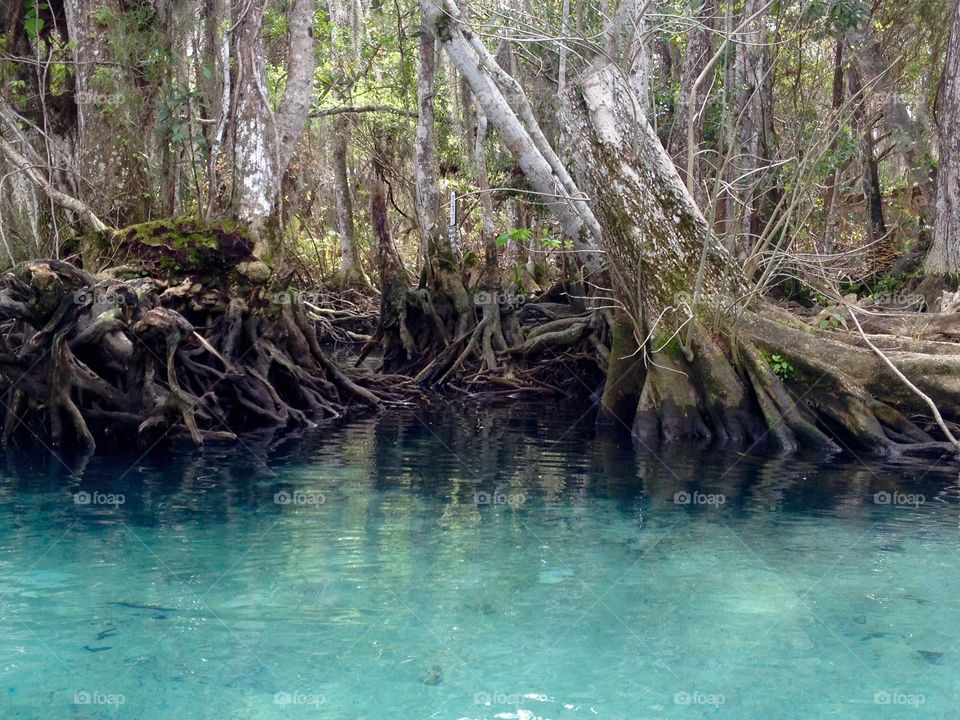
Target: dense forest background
810,128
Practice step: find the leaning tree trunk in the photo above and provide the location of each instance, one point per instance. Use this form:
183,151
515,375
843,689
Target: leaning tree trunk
698,371
944,256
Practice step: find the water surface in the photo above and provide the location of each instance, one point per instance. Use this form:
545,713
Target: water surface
462,563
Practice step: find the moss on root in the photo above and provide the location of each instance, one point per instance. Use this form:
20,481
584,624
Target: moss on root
174,250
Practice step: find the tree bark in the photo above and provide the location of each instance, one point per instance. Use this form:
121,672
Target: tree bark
256,169
425,150
830,192
294,108
344,42
112,179
944,256
263,142
754,83
544,172
876,73
702,367
869,172
692,100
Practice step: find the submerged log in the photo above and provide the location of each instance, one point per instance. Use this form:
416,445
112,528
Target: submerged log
188,335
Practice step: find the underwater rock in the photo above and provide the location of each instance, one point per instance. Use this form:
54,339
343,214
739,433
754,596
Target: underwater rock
434,676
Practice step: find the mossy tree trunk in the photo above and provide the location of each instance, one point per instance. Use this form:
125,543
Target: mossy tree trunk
699,362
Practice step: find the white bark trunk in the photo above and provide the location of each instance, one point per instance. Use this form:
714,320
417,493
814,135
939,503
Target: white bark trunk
256,168
298,93
425,150
570,209
944,256
661,249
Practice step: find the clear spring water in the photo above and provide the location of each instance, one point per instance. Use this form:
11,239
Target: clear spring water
477,564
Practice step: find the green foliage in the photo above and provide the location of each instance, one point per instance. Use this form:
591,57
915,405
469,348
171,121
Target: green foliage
33,24
781,367
517,235
104,16
835,17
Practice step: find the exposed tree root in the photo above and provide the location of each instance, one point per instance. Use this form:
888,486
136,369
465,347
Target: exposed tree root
81,358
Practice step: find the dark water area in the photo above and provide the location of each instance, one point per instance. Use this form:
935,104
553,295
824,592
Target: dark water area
465,562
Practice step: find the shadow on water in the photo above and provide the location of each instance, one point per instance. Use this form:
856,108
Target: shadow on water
523,454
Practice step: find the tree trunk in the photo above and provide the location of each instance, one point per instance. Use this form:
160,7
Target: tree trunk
691,100
112,179
876,72
754,82
263,142
256,170
351,270
425,150
830,192
298,93
491,87
944,256
344,39
869,172
698,371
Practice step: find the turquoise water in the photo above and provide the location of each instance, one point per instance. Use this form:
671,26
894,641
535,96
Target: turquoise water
477,564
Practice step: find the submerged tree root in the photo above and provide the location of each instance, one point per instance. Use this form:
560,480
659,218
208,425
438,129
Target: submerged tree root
82,358
829,391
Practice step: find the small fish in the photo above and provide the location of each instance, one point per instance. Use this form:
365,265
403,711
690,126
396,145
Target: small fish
141,606
931,656
97,649
109,632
